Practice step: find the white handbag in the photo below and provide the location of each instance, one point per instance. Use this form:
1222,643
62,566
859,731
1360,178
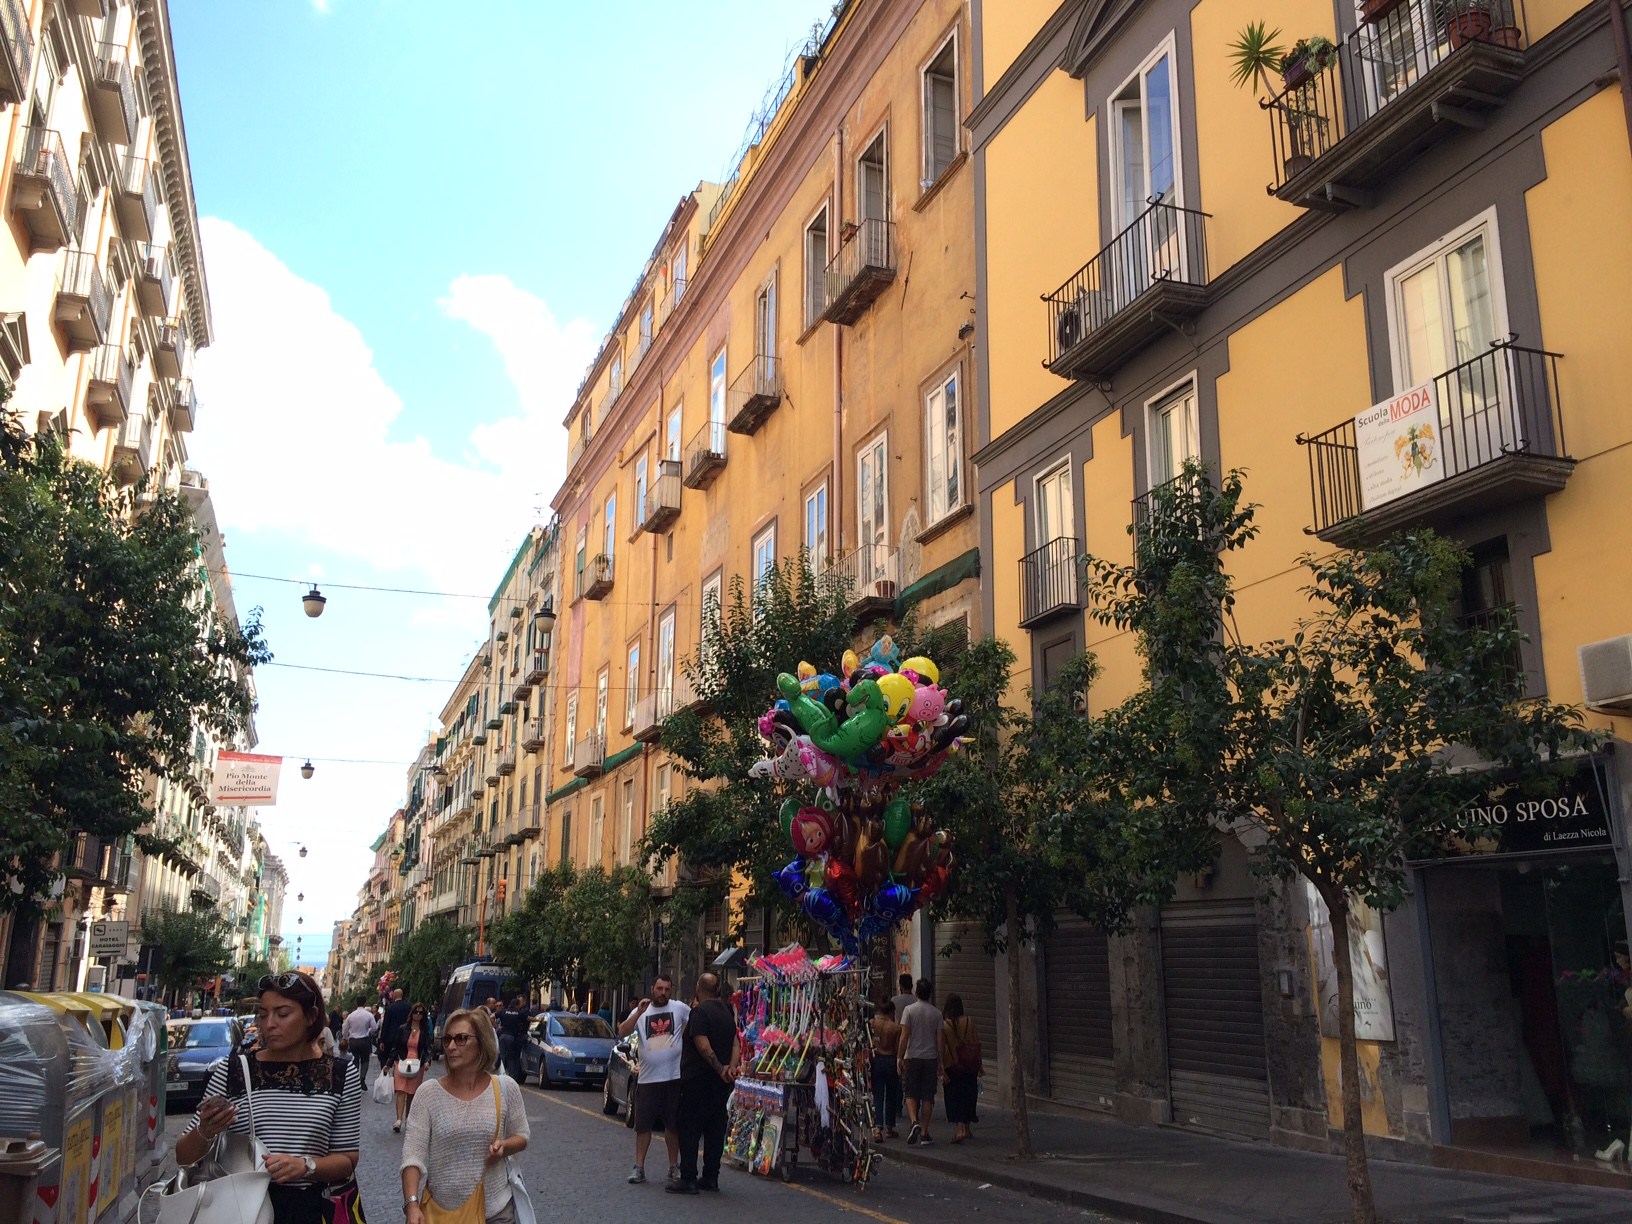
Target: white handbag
521,1202
408,1066
232,1187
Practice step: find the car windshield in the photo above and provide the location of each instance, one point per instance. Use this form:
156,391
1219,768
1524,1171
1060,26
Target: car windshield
580,1026
196,1036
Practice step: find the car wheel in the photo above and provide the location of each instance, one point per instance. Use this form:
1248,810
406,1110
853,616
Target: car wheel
544,1080
629,1100
609,1103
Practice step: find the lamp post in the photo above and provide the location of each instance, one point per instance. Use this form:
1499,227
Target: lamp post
544,624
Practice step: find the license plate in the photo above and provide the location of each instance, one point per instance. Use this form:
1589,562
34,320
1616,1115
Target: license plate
175,1085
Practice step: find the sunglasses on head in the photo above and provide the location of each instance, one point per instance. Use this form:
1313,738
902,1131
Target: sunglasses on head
283,982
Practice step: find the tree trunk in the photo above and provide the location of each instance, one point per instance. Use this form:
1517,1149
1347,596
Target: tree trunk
1354,1132
1017,1060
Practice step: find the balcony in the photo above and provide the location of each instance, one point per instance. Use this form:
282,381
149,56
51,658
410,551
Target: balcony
478,735
113,95
663,498
1144,284
83,305
521,690
16,52
42,190
871,575
136,196
108,390
506,709
84,861
529,823
589,756
206,889
597,579
1424,70
705,457
170,350
532,735
1500,440
863,269
535,667
648,728
754,395
507,762
1154,507
464,807
669,301
1050,581
155,279
183,405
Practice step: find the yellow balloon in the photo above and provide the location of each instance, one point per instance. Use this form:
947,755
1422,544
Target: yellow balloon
850,663
897,691
924,667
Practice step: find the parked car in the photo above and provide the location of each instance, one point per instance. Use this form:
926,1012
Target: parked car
569,1048
197,1047
622,1074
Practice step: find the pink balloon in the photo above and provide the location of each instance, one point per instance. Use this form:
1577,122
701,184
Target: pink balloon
926,705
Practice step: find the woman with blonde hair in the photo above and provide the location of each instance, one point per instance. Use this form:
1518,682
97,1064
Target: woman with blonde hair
463,1126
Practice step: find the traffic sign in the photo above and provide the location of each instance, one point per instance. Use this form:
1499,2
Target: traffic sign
109,938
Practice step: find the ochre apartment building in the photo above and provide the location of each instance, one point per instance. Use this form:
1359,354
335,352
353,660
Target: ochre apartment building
1173,267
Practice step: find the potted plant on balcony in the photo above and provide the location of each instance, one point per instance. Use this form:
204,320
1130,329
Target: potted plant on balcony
1465,21
1255,53
847,231
1373,11
1307,57
601,564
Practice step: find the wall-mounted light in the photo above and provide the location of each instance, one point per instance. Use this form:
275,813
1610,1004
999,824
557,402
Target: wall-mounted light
313,602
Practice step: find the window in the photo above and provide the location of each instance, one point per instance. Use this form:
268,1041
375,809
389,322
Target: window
600,706
816,526
1056,513
671,437
677,273
615,379
816,268
765,325
572,726
1144,140
597,831
716,400
631,695
873,509
609,542
640,491
1175,434
1445,306
626,822
646,326
873,182
665,664
579,559
764,556
713,586
662,788
943,431
941,112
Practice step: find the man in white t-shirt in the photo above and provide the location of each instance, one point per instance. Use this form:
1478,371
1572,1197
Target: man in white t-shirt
659,1021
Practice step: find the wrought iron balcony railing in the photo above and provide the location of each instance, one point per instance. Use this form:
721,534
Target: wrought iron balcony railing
1050,580
872,575
16,52
1499,436
43,190
863,268
113,101
755,394
663,498
705,457
1152,273
1411,73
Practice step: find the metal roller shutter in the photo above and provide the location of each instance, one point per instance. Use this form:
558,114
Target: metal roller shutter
1214,1014
971,972
1077,977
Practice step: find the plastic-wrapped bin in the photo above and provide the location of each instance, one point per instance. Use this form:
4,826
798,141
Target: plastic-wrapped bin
149,1041
34,1073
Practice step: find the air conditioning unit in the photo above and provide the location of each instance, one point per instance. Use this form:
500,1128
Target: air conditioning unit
1606,674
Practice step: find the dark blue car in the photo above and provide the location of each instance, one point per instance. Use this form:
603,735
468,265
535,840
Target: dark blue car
196,1046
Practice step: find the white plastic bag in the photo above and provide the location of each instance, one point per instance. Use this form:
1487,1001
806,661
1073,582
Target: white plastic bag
384,1089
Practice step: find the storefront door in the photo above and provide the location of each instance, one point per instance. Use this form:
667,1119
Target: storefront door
1077,1012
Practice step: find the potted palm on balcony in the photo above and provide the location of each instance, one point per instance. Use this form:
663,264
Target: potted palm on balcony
1307,58
1255,54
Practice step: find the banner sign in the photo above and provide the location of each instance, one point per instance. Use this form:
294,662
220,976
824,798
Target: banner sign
246,777
1555,810
1398,446
1368,957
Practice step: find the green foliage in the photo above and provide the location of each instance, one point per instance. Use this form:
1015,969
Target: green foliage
726,822
425,956
190,945
108,660
579,927
1255,54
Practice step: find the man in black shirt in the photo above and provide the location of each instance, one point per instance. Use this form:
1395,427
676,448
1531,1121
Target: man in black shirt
396,1015
512,1025
710,1060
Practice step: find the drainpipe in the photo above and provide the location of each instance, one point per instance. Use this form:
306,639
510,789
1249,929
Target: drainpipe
1623,60
649,650
837,527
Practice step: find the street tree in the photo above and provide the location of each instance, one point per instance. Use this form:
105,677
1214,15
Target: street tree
425,957
1341,753
110,657
538,941
189,946
611,911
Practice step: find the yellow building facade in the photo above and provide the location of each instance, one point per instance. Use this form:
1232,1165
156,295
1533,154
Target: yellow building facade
1175,266
792,371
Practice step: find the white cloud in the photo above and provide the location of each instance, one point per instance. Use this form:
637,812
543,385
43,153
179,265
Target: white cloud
301,435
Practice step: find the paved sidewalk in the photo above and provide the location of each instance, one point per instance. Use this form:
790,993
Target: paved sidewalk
1161,1175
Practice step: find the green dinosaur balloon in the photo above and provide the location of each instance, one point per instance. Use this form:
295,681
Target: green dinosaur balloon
813,716
869,718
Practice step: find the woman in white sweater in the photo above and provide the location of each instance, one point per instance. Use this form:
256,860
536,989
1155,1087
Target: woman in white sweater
463,1126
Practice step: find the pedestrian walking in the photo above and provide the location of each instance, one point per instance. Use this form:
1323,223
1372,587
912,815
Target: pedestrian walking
921,1058
357,1030
462,1128
307,1108
512,1027
710,1059
961,1066
410,1052
885,1072
394,1017
658,1022
903,998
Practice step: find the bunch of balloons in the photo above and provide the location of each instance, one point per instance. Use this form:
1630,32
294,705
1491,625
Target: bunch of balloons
867,857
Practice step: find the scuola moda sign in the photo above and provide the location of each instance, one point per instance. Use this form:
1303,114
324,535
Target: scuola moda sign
1398,446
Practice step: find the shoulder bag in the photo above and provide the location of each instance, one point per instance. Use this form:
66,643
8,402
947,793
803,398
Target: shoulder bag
474,1209
231,1188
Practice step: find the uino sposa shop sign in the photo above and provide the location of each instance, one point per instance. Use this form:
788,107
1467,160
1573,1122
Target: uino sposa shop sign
1556,811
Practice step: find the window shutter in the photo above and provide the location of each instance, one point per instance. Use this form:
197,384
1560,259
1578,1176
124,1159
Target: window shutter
943,123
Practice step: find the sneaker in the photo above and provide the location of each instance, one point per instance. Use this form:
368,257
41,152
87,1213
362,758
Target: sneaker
397,1126
681,1187
914,1136
637,1175
674,1173
925,1141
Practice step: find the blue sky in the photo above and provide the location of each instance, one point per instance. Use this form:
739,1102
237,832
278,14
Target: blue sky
417,225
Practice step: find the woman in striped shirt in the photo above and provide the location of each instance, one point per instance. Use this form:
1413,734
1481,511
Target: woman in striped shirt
308,1106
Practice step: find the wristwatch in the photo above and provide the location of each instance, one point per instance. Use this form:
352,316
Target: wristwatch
409,1201
311,1166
